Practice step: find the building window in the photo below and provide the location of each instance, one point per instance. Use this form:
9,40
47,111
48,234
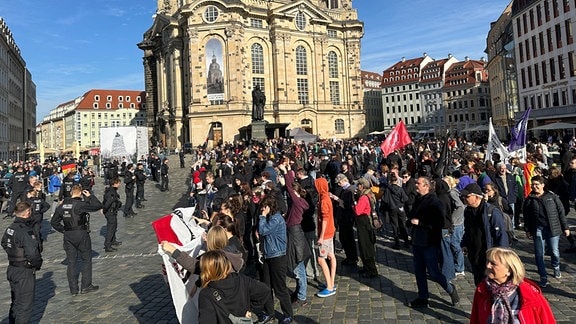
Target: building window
301,61
300,21
108,105
138,99
302,85
96,98
335,92
109,98
120,98
258,81
95,105
127,98
257,59
332,33
211,14
256,23
132,105
339,126
332,64
120,105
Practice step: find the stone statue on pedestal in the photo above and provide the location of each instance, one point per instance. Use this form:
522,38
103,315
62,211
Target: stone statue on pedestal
258,102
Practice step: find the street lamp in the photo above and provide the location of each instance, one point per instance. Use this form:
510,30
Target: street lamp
18,153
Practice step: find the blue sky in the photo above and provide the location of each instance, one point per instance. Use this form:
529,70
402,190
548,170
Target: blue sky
72,46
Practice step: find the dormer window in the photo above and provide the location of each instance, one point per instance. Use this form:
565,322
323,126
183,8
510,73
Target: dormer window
109,98
120,98
96,98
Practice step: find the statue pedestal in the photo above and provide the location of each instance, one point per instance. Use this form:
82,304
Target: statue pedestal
258,130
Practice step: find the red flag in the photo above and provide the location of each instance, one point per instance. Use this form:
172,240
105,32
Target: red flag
397,139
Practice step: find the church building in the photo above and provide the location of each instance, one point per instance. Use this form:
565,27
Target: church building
204,58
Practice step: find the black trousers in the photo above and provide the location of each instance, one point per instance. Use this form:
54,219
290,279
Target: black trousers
22,286
398,221
129,202
346,229
164,183
274,276
366,241
139,192
78,242
111,226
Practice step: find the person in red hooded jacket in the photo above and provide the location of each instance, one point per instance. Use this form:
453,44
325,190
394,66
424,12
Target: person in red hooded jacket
505,296
326,231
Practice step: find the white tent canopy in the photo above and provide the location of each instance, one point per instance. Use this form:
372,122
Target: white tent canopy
558,125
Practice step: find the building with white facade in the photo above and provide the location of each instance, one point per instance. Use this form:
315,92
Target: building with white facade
401,92
431,96
545,59
78,122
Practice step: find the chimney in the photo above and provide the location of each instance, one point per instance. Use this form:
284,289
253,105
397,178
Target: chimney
424,54
449,55
466,58
403,59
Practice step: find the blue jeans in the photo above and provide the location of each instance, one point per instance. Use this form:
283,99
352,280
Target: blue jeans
300,272
447,257
544,235
456,248
426,258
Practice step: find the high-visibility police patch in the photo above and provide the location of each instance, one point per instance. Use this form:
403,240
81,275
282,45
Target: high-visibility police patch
10,231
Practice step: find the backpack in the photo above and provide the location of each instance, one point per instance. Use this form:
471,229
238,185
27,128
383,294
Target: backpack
507,220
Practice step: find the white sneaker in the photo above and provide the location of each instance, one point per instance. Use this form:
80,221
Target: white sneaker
460,274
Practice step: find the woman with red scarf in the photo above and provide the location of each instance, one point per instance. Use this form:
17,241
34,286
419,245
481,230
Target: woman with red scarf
505,296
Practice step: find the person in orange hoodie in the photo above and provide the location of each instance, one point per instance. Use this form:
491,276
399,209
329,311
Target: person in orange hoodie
326,231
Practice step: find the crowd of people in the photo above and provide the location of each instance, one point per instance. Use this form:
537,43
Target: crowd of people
287,209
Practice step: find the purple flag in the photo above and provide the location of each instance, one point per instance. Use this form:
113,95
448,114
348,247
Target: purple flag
518,133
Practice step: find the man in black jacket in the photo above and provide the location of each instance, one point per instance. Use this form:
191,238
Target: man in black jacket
164,175
427,219
129,181
17,185
140,180
22,244
544,221
110,205
72,218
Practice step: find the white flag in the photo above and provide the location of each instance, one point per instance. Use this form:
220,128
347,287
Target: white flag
494,145
181,229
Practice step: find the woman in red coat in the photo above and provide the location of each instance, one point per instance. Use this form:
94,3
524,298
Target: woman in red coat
505,296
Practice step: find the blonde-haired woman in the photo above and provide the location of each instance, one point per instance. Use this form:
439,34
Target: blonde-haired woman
227,294
505,295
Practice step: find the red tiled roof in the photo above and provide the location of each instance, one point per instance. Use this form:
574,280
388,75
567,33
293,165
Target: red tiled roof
432,71
464,73
128,97
405,71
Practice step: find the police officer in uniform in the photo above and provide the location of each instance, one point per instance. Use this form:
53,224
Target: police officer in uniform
110,205
39,207
129,182
17,185
73,219
22,245
67,185
164,175
140,179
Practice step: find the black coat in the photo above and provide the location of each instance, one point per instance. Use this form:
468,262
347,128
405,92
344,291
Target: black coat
238,294
430,213
554,211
